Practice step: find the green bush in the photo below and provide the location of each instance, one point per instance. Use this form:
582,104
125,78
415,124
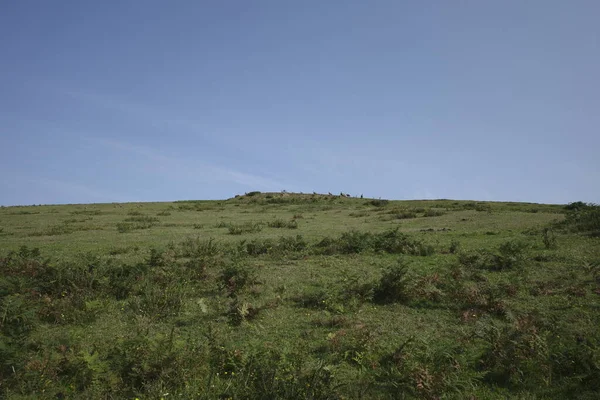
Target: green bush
378,202
394,285
516,356
454,246
279,223
405,215
136,222
316,298
391,241
582,219
257,247
354,242
549,238
235,277
433,213
510,255
291,244
395,242
247,227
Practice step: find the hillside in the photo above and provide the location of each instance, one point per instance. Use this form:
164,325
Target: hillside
294,296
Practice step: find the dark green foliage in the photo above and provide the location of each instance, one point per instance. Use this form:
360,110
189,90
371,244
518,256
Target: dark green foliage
291,244
549,238
355,288
284,245
576,206
378,202
87,212
391,241
136,221
510,255
235,277
196,247
279,223
155,259
516,356
315,297
257,247
394,285
272,374
574,361
251,194
354,242
247,227
582,218
433,213
405,215
454,246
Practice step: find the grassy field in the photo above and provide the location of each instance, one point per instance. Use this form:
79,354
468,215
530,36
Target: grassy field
295,296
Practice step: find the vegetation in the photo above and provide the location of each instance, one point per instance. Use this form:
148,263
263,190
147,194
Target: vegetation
291,296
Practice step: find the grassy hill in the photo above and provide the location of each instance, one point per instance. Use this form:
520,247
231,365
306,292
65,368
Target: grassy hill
300,296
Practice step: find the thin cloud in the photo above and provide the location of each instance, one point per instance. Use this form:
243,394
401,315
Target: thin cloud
191,170
141,112
73,190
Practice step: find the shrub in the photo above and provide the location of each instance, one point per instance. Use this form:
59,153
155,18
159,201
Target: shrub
247,227
158,298
433,213
510,255
394,285
583,219
279,223
516,356
353,242
288,244
155,258
576,206
356,288
240,311
391,241
405,215
136,222
274,374
395,242
235,277
196,247
454,246
257,247
316,298
254,193
378,202
549,238
352,344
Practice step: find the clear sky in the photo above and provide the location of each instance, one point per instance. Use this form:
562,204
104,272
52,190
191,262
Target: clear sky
144,100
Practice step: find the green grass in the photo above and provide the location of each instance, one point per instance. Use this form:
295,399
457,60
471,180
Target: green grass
291,296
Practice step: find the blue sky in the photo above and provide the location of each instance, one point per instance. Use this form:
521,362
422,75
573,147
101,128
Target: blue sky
104,101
